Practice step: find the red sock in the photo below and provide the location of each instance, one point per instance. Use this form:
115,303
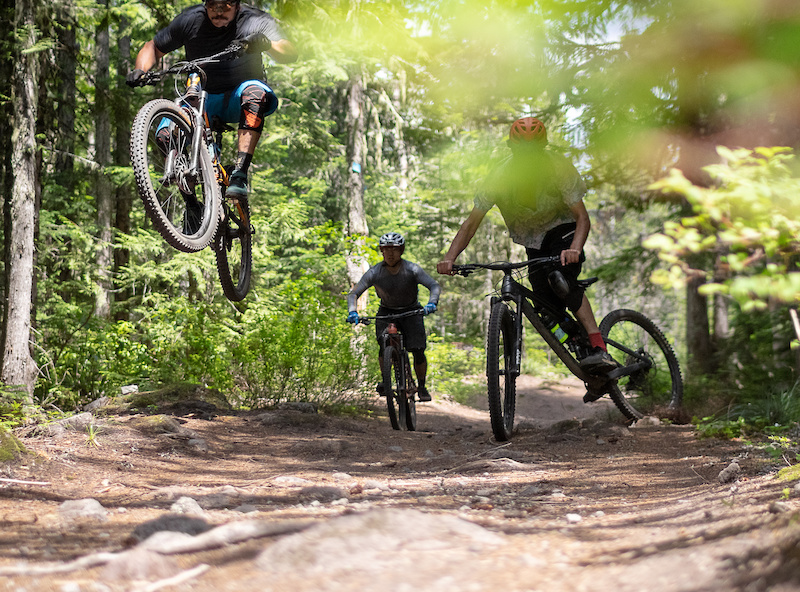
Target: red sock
596,340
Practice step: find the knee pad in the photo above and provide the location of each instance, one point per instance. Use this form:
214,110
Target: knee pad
257,103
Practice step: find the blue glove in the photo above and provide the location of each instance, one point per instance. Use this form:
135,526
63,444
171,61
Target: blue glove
430,308
352,317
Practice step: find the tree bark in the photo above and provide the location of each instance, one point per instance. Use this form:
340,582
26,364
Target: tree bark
103,158
18,368
698,339
355,124
122,157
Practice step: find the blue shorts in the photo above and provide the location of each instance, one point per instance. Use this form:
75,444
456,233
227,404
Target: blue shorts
231,110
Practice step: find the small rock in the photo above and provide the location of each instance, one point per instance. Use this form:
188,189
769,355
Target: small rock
140,564
779,507
729,473
89,509
185,525
187,505
574,518
648,421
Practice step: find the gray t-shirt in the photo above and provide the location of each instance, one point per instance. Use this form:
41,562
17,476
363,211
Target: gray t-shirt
534,195
398,291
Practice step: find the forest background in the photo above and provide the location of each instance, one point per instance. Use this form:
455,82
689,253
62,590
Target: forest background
420,95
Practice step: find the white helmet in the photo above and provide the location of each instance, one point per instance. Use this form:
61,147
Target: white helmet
392,239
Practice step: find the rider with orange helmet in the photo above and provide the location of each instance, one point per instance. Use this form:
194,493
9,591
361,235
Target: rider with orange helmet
540,196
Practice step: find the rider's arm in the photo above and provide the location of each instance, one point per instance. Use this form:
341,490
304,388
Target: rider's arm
283,51
362,286
461,240
431,284
584,224
148,56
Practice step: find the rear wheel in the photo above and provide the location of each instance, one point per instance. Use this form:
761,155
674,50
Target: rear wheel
182,204
501,381
656,386
392,377
233,247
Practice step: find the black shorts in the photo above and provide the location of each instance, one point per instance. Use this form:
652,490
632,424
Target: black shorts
412,327
555,241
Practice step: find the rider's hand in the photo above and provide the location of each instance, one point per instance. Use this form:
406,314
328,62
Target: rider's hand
133,77
352,317
256,43
445,267
570,256
430,308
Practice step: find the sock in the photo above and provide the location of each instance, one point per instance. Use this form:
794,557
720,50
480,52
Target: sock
243,160
596,340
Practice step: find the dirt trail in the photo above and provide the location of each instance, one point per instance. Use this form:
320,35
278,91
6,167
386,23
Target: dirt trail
576,501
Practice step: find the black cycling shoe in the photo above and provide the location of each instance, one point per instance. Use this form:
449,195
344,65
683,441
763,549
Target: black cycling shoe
192,217
423,394
379,388
598,362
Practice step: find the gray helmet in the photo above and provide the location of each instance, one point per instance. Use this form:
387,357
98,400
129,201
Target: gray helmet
392,239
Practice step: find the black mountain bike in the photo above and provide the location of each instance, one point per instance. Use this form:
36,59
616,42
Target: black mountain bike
175,152
399,386
648,379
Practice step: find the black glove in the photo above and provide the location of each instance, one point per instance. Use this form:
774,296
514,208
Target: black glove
256,43
133,78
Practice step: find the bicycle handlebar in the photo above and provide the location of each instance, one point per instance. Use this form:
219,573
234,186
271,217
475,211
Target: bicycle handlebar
505,266
234,50
400,315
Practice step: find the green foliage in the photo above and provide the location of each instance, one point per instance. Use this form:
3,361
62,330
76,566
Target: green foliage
769,414
749,221
299,349
456,369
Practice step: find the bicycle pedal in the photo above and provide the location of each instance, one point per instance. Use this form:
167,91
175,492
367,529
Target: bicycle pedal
590,397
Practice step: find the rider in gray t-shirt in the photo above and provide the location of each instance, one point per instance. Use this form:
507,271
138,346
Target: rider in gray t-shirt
397,283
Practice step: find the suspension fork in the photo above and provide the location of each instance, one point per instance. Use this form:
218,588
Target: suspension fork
509,293
197,138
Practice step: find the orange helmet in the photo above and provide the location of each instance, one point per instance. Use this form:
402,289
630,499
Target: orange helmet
527,129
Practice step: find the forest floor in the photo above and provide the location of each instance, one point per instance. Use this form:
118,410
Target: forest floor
288,500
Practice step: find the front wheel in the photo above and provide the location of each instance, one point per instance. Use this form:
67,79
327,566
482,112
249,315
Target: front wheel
233,248
182,203
409,398
655,385
393,387
500,376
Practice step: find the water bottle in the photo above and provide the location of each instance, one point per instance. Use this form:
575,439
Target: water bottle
555,328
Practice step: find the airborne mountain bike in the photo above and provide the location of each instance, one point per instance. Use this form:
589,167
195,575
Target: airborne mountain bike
175,153
399,386
647,379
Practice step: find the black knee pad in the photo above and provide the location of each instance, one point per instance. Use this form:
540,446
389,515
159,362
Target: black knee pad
256,104
419,356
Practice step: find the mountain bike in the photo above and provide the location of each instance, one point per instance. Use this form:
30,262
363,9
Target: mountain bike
647,379
175,153
399,386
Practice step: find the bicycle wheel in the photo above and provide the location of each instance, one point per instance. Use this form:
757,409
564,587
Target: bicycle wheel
183,207
410,398
392,387
502,388
233,248
656,388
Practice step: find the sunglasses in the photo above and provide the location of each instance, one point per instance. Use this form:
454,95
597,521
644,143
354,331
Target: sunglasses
221,6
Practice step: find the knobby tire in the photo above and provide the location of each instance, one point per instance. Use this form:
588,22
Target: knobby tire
233,248
409,399
501,383
655,390
165,196
392,382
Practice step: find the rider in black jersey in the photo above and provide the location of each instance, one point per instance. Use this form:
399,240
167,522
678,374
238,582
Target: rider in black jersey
396,281
237,91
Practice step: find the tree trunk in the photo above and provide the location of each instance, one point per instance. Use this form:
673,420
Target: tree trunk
103,158
355,124
698,340
65,90
122,157
19,368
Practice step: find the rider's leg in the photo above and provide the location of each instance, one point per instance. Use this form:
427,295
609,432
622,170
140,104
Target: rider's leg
421,371
586,317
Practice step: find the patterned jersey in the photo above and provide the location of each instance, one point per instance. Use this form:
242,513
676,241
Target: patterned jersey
396,291
193,30
533,193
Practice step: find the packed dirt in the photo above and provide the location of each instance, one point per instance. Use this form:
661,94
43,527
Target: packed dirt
288,499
